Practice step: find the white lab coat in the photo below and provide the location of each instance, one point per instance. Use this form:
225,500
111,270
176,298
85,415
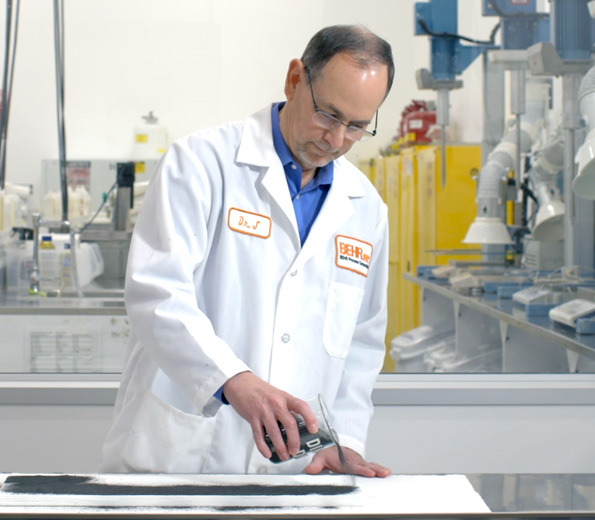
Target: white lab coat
218,283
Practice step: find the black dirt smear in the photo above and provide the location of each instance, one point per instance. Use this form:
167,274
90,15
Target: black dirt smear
79,485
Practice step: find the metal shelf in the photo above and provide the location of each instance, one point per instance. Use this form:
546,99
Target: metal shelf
505,311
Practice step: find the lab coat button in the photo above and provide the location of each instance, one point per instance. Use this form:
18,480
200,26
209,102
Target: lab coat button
262,470
285,338
293,273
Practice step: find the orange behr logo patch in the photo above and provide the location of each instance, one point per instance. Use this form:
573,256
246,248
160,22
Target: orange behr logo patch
353,254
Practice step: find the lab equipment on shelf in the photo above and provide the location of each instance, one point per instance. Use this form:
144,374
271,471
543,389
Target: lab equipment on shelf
510,331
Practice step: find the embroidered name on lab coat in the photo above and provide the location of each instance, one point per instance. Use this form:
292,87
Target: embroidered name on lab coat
249,223
353,254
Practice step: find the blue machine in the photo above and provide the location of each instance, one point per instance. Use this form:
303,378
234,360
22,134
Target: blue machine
438,19
521,24
572,31
449,57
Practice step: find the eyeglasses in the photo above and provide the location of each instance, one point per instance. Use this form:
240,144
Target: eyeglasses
328,122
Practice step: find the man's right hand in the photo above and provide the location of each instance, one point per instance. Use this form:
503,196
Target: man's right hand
264,407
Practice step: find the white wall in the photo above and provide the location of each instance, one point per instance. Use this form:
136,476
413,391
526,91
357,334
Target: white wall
483,439
197,63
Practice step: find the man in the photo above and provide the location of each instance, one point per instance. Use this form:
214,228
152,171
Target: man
257,280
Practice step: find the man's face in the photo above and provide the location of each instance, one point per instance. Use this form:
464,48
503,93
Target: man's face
345,90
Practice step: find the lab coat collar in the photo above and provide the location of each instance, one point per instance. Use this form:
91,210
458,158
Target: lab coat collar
257,149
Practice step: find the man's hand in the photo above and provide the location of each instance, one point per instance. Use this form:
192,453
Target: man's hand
329,459
264,407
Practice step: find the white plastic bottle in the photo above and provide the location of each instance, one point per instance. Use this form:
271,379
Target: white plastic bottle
66,266
150,139
85,202
11,211
49,265
19,262
52,204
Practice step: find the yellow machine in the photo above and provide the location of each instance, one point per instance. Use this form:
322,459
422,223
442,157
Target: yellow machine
425,219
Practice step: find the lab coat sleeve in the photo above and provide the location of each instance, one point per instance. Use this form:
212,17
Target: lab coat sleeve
170,240
353,406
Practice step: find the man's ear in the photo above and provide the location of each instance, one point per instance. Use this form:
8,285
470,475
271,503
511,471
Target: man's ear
295,74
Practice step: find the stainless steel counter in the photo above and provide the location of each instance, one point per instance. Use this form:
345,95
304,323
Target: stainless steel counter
537,495
503,309
64,334
96,303
518,342
299,496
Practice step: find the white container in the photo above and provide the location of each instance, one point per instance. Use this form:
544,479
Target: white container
437,359
409,348
57,265
85,202
79,205
59,239
50,272
89,264
67,268
19,264
52,205
489,360
10,208
74,205
150,139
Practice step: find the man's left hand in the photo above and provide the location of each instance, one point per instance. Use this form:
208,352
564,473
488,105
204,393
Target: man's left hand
328,459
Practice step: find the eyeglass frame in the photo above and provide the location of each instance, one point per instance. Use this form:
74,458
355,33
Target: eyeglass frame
366,134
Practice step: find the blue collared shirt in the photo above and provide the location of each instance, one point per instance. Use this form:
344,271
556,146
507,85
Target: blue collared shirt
219,395
308,200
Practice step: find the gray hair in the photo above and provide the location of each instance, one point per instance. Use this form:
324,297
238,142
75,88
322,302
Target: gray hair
360,43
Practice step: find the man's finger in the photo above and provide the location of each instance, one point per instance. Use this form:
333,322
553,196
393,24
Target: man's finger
304,409
315,467
381,471
273,432
292,434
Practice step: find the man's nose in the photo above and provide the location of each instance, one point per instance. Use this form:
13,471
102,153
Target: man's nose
336,136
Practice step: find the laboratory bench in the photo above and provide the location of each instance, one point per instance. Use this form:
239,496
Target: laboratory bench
69,350
493,333
63,335
94,302
478,496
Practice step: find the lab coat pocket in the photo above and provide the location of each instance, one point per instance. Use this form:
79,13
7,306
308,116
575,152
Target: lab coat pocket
342,309
164,439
